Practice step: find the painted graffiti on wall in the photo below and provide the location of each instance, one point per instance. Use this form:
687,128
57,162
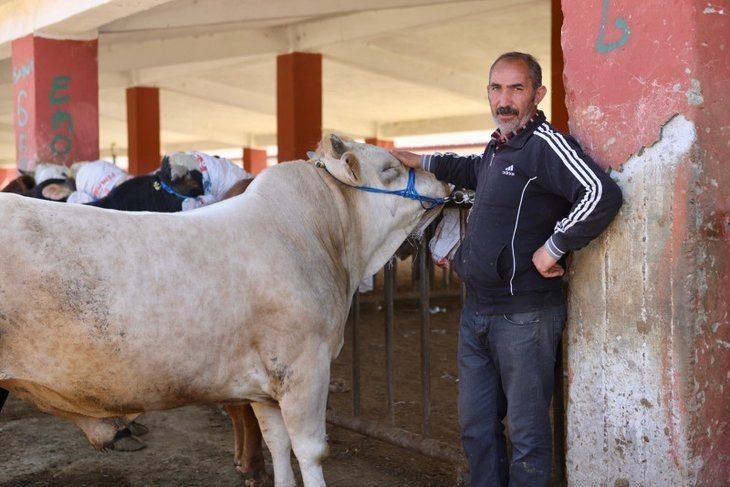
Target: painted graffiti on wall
620,23
61,119
22,115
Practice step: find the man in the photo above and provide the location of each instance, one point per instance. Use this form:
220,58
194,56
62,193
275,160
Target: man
538,197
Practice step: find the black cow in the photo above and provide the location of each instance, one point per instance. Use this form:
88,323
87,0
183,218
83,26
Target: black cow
145,193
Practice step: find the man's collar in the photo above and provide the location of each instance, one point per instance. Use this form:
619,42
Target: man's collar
513,138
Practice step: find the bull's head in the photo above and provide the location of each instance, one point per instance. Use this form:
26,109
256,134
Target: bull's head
181,172
364,165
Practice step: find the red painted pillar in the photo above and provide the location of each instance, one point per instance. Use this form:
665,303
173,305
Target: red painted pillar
55,101
387,144
298,104
558,109
254,160
143,129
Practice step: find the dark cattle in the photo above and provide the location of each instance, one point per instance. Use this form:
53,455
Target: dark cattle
20,185
144,193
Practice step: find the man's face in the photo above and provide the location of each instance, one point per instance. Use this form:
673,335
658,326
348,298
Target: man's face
512,96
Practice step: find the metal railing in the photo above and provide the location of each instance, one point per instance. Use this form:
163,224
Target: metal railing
386,430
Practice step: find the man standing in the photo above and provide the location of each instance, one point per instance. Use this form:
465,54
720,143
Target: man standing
538,197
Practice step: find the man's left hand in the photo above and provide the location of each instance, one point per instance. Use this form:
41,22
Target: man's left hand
545,264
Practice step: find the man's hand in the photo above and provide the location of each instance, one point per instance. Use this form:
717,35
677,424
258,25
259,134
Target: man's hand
409,159
545,264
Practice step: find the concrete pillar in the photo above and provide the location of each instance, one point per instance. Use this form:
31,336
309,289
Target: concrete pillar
254,160
55,100
143,129
558,109
298,104
648,338
388,144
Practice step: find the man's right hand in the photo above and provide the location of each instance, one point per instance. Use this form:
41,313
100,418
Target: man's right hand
409,159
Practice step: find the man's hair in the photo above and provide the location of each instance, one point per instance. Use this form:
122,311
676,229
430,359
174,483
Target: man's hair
532,65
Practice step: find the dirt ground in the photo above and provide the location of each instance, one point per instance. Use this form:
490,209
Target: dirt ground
193,445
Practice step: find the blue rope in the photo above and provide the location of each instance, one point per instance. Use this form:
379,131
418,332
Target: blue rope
172,191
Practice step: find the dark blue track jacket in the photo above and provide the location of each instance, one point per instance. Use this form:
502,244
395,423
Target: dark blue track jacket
537,188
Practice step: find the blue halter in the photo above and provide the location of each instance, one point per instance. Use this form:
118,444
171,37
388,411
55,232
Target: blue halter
171,191
408,192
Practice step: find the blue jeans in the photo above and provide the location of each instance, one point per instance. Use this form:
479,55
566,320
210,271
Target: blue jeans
506,368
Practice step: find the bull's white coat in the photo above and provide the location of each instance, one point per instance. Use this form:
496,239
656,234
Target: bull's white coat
104,314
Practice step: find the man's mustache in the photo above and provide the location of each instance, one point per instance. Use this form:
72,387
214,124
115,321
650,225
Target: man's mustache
507,111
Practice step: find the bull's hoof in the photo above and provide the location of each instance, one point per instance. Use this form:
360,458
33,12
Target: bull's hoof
128,443
125,441
138,429
338,385
251,477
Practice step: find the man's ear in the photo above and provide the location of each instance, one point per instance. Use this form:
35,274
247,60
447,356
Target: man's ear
540,94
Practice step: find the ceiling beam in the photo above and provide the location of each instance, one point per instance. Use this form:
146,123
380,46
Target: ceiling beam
184,13
311,35
463,123
407,68
19,18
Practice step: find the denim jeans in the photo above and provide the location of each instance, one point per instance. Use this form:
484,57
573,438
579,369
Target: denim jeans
506,368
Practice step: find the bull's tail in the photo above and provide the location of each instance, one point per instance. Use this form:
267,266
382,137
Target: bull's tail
3,396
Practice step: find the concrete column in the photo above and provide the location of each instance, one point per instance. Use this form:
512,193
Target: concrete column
648,338
254,160
143,129
388,144
558,109
298,104
55,100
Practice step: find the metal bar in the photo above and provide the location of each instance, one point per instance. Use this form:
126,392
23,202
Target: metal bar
388,278
396,436
355,315
463,213
425,336
410,296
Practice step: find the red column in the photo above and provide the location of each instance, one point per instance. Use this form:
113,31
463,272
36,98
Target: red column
298,104
559,112
388,144
254,160
143,129
55,101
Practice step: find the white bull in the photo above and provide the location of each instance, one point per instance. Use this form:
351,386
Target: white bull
105,315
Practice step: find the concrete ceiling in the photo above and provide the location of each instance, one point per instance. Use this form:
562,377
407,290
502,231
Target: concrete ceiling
391,67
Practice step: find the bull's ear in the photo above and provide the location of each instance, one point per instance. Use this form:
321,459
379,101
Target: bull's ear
346,169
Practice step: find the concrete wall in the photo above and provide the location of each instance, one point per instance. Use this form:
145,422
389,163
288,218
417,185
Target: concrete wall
648,337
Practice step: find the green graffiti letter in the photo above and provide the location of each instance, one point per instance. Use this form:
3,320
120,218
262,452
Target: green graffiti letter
65,148
620,23
60,83
62,117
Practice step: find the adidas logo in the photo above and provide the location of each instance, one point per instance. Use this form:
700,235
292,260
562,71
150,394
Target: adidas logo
509,170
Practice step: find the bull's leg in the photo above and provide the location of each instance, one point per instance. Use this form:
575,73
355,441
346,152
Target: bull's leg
304,410
248,455
277,439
